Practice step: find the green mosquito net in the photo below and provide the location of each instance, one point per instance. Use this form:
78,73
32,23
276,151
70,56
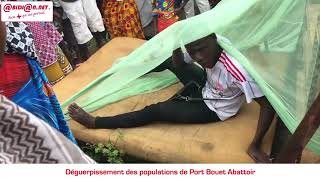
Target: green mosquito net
277,41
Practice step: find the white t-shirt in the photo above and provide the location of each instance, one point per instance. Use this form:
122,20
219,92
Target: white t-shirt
228,85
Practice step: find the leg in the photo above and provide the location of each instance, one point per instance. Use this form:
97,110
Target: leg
95,22
169,111
292,151
280,137
75,13
149,31
80,28
189,9
203,5
93,15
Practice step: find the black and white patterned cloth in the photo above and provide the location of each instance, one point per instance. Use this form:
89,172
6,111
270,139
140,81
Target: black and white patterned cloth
20,39
27,139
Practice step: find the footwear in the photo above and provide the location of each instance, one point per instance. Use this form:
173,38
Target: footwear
88,49
100,38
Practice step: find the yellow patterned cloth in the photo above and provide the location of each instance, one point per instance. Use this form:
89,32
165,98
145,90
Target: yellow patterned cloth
58,70
122,18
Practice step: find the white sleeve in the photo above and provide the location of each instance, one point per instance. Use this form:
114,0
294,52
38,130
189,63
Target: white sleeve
251,89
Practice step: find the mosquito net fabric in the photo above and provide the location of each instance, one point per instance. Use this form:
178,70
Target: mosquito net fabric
276,41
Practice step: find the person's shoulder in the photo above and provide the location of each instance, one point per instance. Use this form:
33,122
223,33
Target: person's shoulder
235,67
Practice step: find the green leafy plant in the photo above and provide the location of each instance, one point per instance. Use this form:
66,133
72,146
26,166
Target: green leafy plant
104,153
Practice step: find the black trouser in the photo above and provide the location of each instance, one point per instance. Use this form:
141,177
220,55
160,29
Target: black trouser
172,110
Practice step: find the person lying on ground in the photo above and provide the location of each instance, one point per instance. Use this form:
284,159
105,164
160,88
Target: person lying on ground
218,90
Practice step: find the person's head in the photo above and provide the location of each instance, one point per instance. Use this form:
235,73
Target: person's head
2,40
206,51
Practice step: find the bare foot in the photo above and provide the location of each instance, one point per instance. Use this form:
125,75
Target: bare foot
257,155
81,116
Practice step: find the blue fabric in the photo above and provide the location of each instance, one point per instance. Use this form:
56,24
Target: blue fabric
37,97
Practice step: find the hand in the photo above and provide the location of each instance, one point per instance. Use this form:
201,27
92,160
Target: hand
178,57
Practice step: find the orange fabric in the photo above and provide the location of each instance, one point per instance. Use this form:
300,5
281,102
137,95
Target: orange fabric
122,19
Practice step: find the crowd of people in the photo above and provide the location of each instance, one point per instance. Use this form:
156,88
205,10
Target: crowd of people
40,54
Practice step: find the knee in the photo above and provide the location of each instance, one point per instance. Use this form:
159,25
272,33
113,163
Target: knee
153,110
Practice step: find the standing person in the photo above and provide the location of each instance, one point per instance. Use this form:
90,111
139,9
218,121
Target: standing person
25,138
52,59
85,18
24,82
145,11
122,19
64,27
215,97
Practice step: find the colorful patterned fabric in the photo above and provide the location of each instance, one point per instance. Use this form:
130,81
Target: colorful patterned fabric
14,73
63,61
26,139
122,18
37,96
20,39
163,8
46,39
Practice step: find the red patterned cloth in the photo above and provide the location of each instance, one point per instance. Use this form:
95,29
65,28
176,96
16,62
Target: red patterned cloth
14,73
164,23
46,39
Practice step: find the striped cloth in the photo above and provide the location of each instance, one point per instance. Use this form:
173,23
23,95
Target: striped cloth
26,139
